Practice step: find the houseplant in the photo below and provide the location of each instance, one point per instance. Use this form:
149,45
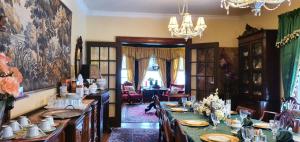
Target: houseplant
10,79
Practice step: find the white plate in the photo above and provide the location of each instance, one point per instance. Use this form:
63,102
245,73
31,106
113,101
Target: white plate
219,138
296,138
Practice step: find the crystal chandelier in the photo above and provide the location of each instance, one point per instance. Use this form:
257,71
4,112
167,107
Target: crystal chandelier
255,5
186,30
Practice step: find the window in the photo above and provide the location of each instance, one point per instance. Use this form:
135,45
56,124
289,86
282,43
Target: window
124,76
153,72
180,79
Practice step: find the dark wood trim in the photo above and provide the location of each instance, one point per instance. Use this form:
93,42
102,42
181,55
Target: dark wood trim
141,42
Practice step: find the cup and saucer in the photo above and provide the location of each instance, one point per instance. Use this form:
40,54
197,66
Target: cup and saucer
24,121
46,126
33,132
7,133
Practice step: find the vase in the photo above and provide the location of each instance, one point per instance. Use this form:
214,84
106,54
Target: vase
6,104
2,111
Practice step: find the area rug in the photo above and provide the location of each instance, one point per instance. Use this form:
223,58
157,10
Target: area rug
133,135
135,113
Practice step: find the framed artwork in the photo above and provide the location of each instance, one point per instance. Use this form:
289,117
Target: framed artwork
38,39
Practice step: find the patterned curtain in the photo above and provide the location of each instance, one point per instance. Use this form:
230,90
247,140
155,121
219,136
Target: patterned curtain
143,67
162,70
174,69
289,49
130,68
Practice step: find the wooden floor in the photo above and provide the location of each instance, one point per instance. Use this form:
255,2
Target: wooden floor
133,125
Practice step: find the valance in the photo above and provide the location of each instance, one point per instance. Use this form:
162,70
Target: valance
162,53
289,27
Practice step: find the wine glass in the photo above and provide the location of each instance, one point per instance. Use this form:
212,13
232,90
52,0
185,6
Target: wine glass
247,133
274,125
184,100
193,99
215,120
243,114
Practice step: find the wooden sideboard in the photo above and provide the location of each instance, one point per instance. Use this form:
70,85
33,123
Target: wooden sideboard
86,128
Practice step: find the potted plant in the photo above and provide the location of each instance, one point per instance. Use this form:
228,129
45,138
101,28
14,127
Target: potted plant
10,79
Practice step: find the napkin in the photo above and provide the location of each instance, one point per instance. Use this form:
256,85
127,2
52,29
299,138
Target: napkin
247,122
284,136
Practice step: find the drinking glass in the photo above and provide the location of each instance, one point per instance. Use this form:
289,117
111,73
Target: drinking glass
247,133
274,125
215,120
184,100
193,99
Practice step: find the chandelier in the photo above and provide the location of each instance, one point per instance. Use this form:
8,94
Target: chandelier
255,5
186,29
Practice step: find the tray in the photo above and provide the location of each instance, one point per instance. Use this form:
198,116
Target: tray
62,113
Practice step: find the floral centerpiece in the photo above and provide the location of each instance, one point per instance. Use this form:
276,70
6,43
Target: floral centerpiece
212,104
10,79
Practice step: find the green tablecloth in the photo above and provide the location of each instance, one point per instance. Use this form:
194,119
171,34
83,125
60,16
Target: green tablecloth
194,133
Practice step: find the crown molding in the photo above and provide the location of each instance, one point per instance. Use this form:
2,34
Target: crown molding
152,15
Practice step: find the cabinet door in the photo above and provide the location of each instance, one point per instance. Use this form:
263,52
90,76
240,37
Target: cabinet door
203,69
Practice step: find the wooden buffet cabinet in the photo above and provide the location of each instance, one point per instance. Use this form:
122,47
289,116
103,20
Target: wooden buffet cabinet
88,127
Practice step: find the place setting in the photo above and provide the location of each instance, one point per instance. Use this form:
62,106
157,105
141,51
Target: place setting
194,123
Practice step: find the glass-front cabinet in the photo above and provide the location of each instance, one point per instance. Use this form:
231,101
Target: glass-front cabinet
258,71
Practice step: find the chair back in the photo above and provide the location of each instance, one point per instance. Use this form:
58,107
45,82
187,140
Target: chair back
168,135
180,136
287,119
268,115
251,111
156,101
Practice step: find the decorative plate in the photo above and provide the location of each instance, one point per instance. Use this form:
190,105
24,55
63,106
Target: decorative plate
233,112
217,137
262,125
194,123
171,104
62,113
178,109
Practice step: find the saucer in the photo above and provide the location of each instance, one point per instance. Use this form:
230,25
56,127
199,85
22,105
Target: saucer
38,136
51,130
12,137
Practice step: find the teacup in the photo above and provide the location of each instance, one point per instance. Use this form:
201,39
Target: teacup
15,125
33,131
7,132
50,120
24,121
45,125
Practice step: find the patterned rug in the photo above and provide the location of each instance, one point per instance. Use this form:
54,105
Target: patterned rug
133,135
135,113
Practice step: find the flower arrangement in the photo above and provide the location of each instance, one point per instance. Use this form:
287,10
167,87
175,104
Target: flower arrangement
212,104
10,78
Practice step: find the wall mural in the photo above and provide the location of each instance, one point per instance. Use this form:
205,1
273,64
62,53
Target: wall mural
38,39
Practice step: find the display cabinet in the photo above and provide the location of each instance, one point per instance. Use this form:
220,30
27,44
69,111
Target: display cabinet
259,85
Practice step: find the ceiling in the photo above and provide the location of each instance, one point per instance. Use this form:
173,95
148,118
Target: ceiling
196,7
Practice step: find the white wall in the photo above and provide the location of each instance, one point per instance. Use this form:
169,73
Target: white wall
39,99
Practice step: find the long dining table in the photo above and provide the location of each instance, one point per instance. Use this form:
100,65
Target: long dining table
194,133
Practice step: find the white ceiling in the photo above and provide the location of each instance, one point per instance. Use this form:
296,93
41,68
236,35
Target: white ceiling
196,7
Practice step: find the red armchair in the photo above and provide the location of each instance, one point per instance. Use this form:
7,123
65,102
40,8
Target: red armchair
129,94
175,92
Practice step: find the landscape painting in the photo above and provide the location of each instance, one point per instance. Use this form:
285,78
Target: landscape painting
38,39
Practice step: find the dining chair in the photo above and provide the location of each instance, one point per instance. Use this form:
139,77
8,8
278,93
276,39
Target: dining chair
268,115
251,111
287,119
168,135
180,136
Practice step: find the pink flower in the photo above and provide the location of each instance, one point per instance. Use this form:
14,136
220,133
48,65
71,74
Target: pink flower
3,67
4,58
9,85
16,74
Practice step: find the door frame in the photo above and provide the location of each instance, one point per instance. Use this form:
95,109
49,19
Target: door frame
141,42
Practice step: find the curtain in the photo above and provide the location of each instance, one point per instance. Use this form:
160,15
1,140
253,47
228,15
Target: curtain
143,67
174,69
162,53
162,70
130,63
290,50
